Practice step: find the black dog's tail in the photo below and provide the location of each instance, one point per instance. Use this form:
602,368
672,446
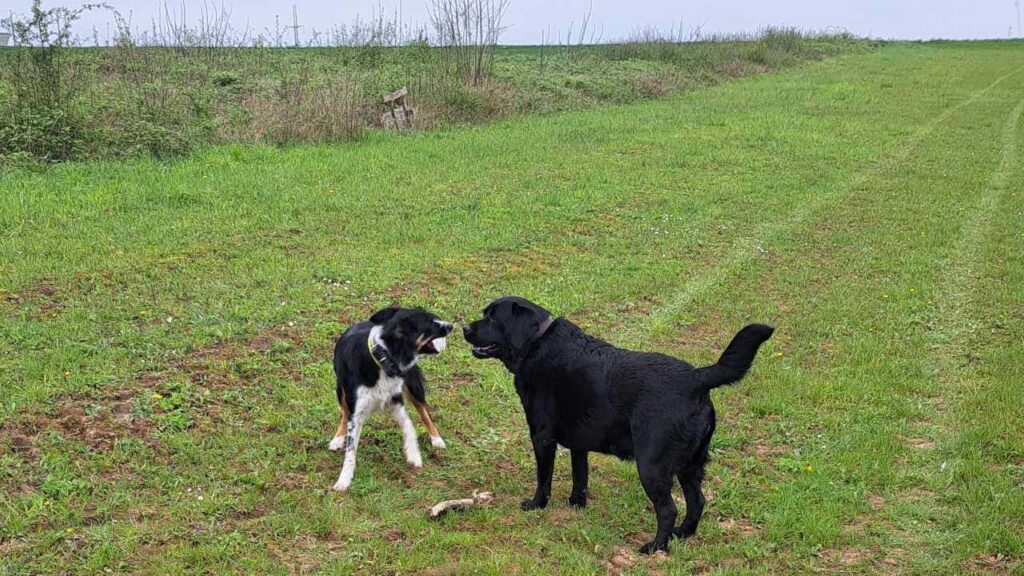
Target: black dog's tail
733,364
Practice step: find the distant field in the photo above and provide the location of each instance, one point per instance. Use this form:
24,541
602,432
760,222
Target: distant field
167,398
133,101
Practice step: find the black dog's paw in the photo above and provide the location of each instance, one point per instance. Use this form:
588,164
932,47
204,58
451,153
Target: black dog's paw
684,532
533,504
653,546
578,500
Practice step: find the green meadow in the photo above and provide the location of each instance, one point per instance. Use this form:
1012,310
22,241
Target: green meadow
166,394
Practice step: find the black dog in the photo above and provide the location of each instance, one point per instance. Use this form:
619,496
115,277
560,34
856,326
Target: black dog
590,396
374,362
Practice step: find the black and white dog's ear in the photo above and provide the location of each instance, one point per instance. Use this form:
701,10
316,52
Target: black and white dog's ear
522,325
382,316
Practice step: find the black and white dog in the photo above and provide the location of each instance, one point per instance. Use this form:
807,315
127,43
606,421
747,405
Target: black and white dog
590,396
375,362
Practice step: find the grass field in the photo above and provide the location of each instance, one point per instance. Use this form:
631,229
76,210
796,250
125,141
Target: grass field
167,397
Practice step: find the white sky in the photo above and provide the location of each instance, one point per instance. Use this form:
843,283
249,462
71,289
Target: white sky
892,19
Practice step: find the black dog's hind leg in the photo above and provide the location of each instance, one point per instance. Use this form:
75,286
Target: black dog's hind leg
657,483
580,469
544,452
690,480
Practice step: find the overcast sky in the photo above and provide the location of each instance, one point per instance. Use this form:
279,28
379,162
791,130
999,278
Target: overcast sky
892,19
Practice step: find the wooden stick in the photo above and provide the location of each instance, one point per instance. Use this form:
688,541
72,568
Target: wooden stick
479,498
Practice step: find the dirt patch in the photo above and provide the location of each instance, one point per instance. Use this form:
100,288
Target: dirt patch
461,378
876,502
622,559
97,423
769,449
991,564
254,513
213,366
44,298
738,528
22,444
845,557
921,443
48,295
436,571
506,466
301,555
562,516
638,539
100,429
294,481
267,342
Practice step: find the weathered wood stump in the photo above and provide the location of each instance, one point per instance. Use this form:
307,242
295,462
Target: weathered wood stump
398,115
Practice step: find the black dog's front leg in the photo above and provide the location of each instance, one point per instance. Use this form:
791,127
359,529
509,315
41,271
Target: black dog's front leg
544,451
578,498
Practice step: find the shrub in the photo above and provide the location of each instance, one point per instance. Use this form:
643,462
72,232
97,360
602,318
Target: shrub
49,134
41,119
225,79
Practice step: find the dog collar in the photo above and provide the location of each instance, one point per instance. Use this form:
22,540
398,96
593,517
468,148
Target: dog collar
381,358
544,326
543,329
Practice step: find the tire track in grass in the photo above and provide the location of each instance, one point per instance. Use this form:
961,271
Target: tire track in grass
749,248
953,321
954,329
997,173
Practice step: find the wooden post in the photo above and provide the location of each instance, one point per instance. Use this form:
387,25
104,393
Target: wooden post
397,99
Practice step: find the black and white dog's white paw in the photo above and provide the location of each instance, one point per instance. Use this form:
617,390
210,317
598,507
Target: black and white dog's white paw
337,444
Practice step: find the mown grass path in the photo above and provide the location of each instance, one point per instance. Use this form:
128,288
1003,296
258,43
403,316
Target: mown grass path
167,397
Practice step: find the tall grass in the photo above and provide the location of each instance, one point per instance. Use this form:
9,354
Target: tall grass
185,82
773,47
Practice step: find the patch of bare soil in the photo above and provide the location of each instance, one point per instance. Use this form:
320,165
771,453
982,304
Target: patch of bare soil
738,528
44,299
622,559
769,449
839,560
436,571
212,366
97,423
992,564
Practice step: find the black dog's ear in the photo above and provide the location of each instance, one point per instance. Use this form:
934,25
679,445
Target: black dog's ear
382,316
522,325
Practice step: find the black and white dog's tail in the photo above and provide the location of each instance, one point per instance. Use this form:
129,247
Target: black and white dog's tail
734,363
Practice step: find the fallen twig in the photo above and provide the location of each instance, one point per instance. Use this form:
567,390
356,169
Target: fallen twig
479,498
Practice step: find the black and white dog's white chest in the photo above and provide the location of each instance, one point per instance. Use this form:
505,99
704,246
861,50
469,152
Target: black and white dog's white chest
385,393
